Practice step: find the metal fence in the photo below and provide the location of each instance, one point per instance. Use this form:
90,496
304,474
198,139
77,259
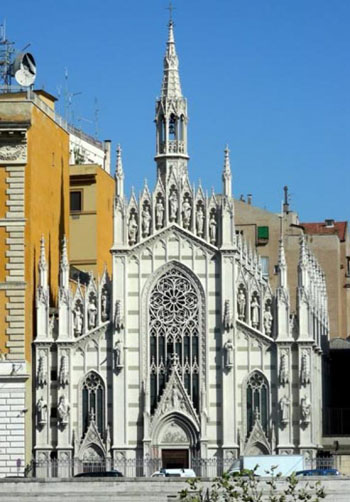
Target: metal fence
141,467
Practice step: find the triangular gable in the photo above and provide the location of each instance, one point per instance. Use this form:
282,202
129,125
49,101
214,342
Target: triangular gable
91,437
174,399
257,438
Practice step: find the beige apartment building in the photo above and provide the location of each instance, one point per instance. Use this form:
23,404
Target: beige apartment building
328,240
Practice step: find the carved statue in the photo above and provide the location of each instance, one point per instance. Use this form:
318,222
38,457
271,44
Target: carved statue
200,221
229,353
174,204
227,321
41,376
159,213
284,378
133,226
241,304
284,406
104,305
63,375
305,369
78,321
268,318
176,398
62,410
186,211
51,325
255,308
305,407
118,320
41,409
146,221
92,313
212,229
118,354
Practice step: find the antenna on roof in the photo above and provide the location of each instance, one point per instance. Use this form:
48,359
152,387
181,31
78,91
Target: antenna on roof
96,117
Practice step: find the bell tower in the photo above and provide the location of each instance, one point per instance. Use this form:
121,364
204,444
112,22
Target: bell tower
171,118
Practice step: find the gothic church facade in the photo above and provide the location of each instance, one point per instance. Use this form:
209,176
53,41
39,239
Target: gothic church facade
186,351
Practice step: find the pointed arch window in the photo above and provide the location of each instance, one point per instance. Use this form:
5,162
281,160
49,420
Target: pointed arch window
174,334
257,401
93,401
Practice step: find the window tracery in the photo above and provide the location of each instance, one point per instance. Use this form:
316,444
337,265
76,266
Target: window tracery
257,401
174,334
93,401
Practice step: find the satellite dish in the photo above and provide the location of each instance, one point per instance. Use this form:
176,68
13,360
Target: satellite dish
24,69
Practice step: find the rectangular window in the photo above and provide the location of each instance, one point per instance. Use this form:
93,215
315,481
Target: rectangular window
265,266
263,234
76,200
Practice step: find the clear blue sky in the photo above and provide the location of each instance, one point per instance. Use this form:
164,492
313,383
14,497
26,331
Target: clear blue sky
269,77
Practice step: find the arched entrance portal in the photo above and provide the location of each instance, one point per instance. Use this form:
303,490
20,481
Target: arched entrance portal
176,440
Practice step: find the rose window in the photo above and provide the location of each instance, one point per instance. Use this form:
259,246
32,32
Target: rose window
174,333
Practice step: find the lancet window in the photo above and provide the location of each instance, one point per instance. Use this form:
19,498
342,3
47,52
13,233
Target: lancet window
257,401
93,401
174,334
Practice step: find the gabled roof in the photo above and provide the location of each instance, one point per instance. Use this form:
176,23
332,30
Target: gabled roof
337,228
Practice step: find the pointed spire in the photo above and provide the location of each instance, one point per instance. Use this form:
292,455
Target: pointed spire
171,87
119,174
227,175
64,265
42,265
282,264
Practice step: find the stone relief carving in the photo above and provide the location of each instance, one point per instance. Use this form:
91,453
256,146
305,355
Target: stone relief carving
284,374
227,320
200,221
268,319
78,319
186,213
212,228
228,354
255,311
305,377
133,227
174,434
62,411
63,373
174,205
159,214
41,378
14,152
118,318
92,312
41,411
305,410
146,221
241,303
118,360
284,409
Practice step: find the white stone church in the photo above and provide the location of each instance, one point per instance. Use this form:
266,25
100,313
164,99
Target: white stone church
185,352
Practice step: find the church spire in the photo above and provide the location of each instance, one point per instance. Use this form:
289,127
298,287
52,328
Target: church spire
119,174
171,118
226,175
171,87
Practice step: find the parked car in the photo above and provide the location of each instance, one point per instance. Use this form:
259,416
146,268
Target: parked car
318,472
174,473
100,474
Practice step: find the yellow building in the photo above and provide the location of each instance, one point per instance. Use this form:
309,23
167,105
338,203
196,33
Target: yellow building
34,195
91,218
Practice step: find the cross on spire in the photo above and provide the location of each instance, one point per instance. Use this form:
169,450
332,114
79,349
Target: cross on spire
171,8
